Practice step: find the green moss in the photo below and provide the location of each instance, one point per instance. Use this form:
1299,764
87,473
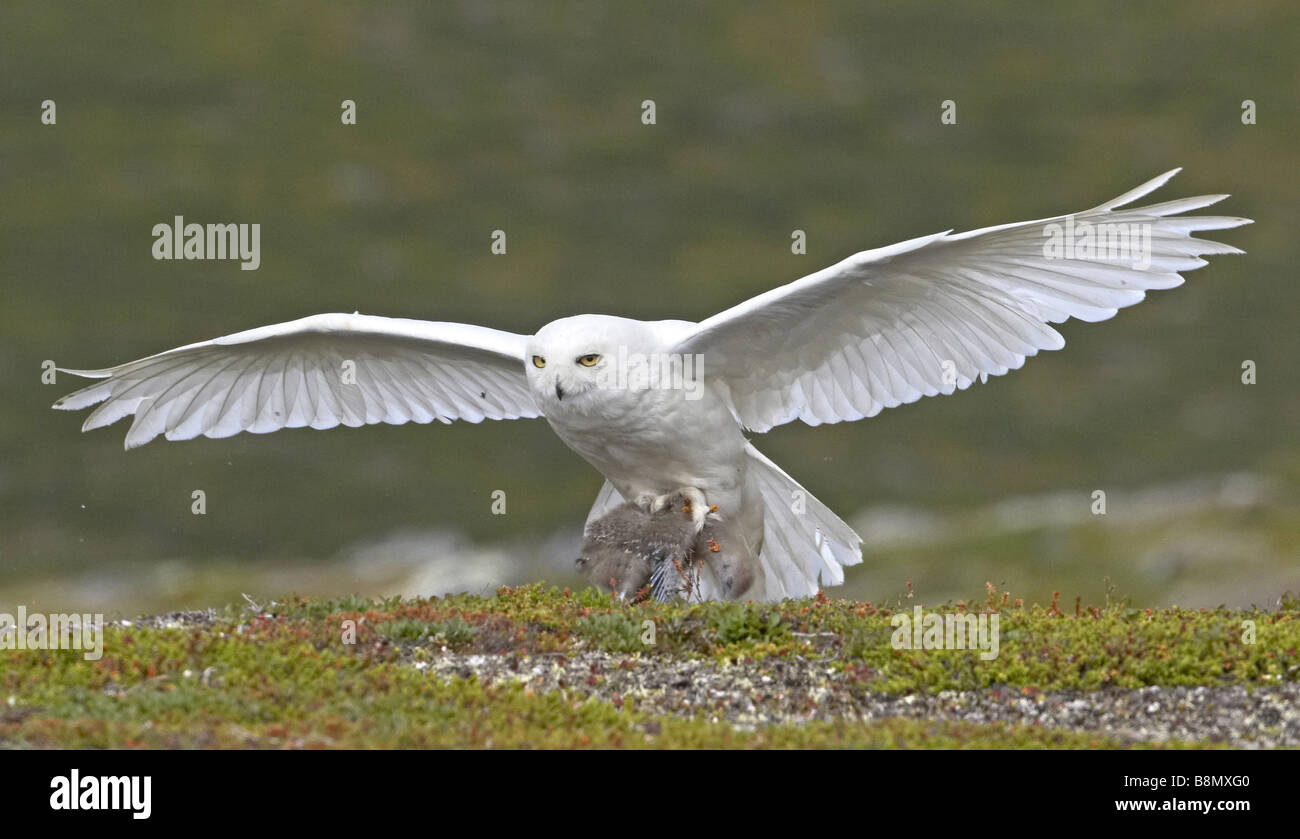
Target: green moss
291,678
453,632
1045,647
739,623
533,723
613,631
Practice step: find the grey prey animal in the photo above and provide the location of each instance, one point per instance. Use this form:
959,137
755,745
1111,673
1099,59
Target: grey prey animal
632,547
881,328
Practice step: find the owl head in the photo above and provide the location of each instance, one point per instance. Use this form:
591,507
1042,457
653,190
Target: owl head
569,358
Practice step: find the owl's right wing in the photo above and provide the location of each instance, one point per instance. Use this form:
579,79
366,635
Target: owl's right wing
931,315
318,371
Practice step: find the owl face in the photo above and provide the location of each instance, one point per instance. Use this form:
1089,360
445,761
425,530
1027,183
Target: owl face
569,358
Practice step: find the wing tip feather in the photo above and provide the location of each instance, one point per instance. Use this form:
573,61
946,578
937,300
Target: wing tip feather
1138,191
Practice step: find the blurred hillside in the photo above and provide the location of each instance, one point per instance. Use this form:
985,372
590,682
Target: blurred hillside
526,117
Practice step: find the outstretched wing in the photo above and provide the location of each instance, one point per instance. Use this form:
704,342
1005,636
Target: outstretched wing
930,315
318,371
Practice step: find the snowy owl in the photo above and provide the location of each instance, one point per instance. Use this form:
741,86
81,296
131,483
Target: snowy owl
661,407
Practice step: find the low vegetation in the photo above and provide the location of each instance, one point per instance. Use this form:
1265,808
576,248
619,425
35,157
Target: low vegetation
309,673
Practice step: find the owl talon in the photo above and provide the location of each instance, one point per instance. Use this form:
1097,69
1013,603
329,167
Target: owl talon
695,506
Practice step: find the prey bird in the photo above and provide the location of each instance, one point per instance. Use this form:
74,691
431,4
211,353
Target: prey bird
631,548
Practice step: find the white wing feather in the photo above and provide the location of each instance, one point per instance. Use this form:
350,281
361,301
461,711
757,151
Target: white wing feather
291,375
875,330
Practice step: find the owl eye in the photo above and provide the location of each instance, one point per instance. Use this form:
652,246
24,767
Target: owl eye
539,362
589,360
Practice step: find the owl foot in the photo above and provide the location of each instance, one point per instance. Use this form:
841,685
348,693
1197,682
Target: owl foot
693,503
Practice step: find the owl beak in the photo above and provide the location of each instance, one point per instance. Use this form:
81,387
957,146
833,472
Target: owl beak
559,391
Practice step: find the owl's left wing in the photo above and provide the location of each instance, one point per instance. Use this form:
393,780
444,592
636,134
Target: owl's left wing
930,315
319,371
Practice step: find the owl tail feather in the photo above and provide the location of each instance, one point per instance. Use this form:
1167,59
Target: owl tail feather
805,545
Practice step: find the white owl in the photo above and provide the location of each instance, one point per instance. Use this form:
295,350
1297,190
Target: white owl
660,407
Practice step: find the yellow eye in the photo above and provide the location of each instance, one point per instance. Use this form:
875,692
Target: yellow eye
589,360
539,362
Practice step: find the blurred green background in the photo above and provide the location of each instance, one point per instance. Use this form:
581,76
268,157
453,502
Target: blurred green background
771,116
